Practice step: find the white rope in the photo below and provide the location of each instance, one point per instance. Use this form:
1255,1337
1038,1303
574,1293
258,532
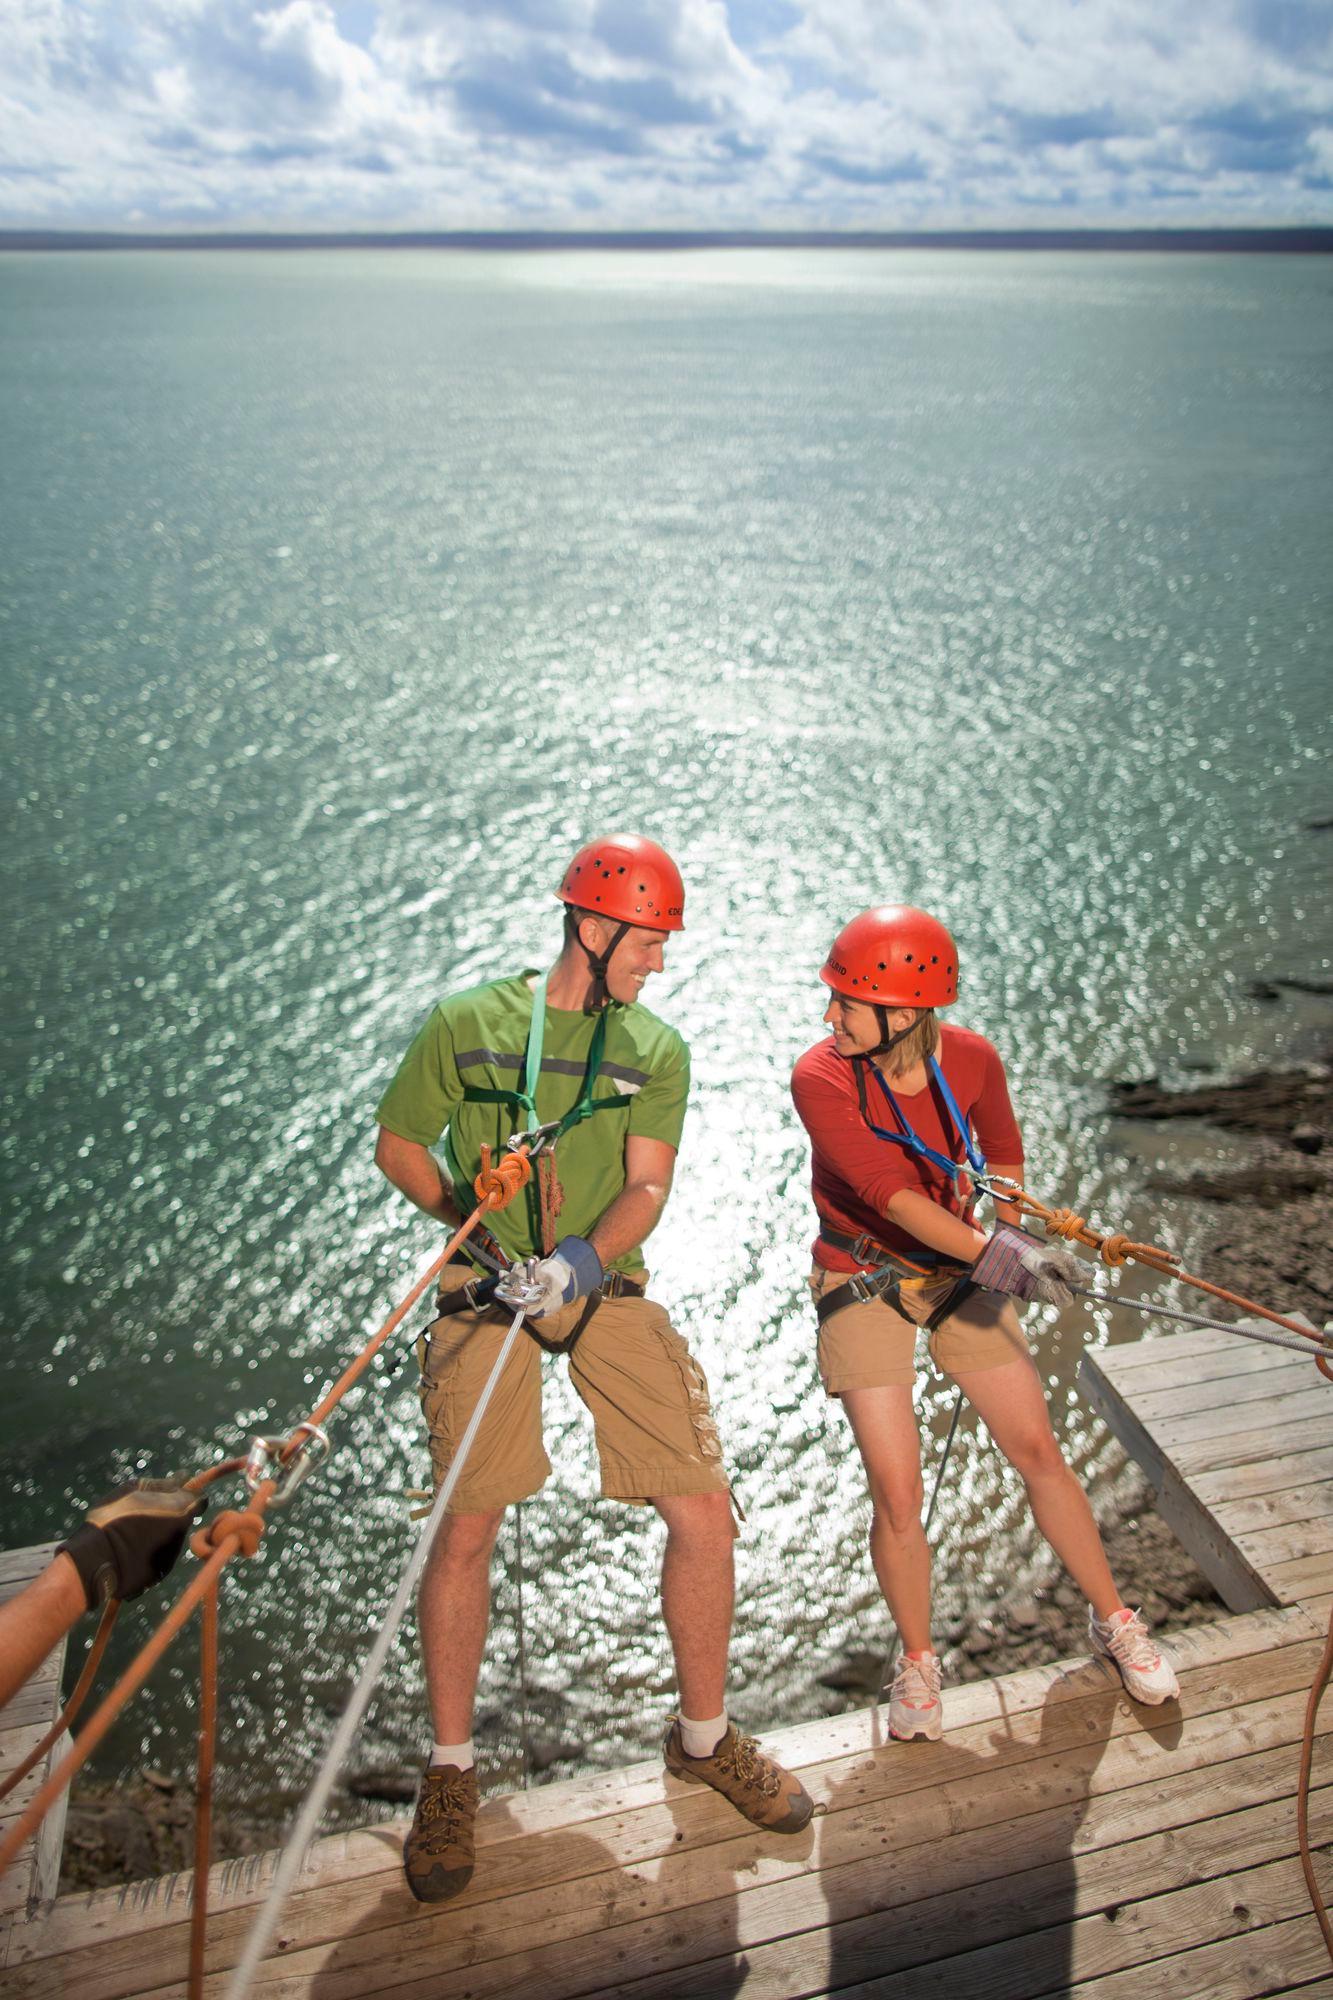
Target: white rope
1248,1329
307,1821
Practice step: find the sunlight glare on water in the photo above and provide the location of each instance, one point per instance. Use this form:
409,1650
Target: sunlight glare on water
343,595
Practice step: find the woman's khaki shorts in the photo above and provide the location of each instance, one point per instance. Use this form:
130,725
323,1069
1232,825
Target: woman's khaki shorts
870,1346
647,1394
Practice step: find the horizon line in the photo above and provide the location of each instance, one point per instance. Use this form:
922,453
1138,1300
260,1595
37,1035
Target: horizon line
1292,238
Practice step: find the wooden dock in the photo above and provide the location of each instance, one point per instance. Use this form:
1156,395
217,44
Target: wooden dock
30,1885
1057,1841
1237,1439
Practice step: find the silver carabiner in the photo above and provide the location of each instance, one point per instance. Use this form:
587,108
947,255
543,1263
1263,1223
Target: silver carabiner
265,1461
535,1141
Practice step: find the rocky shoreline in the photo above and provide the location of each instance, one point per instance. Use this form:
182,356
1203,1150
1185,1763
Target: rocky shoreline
1271,1236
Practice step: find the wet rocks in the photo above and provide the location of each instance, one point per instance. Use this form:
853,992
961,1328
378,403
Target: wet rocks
1272,1103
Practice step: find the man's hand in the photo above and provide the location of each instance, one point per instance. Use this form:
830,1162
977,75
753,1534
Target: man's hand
129,1541
1017,1263
572,1270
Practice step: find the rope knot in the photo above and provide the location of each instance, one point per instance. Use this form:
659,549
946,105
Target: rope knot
1064,1222
1116,1250
496,1185
247,1527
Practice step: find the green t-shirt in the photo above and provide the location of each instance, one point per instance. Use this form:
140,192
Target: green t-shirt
477,1040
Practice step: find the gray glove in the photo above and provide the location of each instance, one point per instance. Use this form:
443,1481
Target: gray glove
1016,1263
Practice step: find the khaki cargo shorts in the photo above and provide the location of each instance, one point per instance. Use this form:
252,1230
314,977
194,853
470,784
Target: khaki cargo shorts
870,1346
647,1394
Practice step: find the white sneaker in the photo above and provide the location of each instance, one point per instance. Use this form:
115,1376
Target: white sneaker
1126,1642
914,1699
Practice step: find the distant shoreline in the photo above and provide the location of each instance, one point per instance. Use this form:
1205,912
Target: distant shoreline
1291,241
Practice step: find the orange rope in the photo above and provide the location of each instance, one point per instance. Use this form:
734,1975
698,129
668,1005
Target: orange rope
1318,1685
238,1533
203,1787
1116,1249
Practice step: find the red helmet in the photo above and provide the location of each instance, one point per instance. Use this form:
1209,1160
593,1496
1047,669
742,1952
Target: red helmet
629,879
894,956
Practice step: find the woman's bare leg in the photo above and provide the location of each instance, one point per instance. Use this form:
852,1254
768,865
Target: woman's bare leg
1012,1404
883,1423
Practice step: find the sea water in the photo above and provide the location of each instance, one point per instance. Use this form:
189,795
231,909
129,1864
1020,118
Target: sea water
344,594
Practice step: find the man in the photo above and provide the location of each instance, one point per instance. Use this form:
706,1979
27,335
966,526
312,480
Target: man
573,1048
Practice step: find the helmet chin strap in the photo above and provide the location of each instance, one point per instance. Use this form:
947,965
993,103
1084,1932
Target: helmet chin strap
598,965
887,1041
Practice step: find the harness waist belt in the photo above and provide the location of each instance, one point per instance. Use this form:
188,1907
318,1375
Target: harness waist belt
478,1295
925,1262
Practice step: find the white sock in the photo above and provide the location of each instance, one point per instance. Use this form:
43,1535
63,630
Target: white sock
700,1739
453,1753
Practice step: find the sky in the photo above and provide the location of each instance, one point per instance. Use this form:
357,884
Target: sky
640,114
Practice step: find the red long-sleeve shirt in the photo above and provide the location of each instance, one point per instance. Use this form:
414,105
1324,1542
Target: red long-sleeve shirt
855,1175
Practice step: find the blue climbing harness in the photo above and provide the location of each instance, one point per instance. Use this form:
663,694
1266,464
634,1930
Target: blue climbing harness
911,1141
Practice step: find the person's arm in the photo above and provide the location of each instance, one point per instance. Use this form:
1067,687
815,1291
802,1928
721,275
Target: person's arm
935,1227
415,1172
37,1619
637,1209
123,1546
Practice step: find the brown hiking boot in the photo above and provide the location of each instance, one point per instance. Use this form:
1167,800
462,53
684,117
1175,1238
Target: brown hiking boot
439,1851
755,1784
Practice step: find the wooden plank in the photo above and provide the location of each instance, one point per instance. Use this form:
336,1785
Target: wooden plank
31,1881
342,1859
1196,1456
1194,1344
1308,1466
1231,1392
1311,1577
1080,1956
20,1566
1292,1542
1239,1362
1239,1518
1236,1579
1046,1738
680,1922
1232,1969
1027,1933
1275,1413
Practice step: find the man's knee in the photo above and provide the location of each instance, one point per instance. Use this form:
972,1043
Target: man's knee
465,1540
699,1521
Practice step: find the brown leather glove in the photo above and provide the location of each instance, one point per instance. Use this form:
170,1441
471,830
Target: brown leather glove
129,1541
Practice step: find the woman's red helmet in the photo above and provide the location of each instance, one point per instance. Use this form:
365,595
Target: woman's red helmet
894,956
628,879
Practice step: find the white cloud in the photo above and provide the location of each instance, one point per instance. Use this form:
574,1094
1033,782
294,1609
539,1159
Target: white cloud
479,113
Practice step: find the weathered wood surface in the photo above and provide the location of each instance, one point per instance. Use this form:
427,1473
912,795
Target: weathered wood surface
32,1882
1237,1438
1057,1839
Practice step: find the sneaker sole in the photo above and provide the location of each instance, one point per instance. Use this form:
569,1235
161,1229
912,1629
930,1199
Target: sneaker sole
926,1732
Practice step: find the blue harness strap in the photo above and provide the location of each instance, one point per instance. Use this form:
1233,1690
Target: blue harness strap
912,1141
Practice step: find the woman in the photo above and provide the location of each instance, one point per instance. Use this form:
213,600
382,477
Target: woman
898,1107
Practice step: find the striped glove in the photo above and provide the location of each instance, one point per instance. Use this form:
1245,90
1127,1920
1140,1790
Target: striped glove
1017,1263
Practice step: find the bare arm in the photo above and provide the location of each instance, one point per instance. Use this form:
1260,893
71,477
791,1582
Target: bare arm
938,1230
633,1215
33,1621
415,1172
